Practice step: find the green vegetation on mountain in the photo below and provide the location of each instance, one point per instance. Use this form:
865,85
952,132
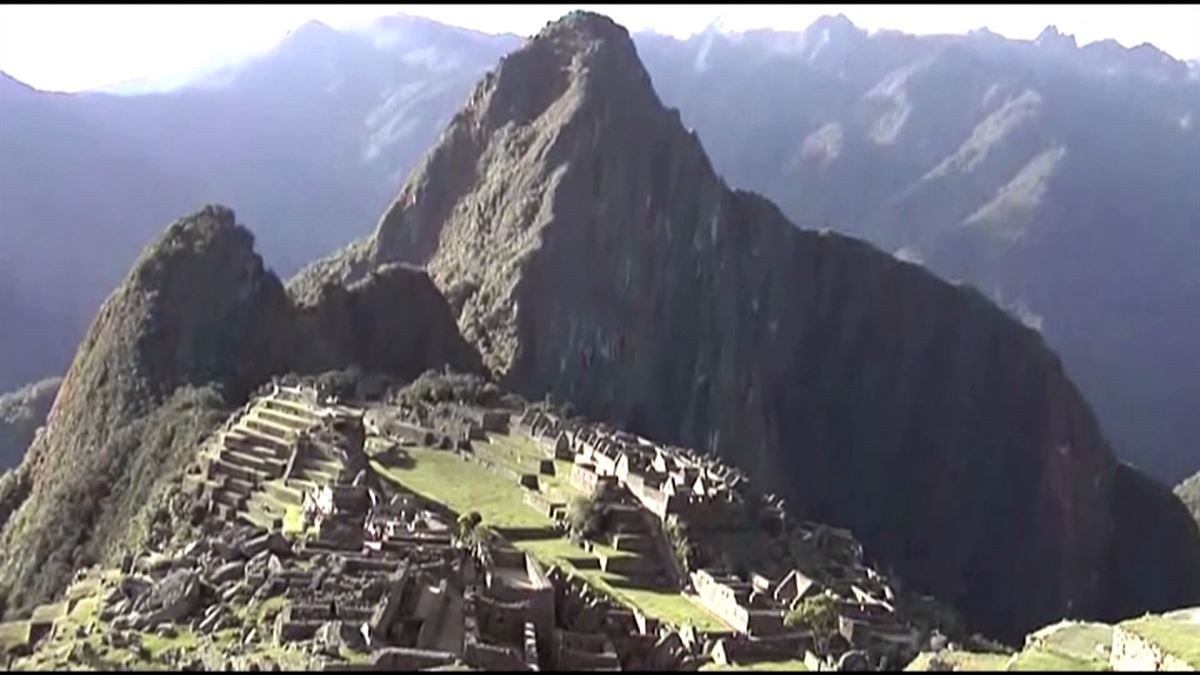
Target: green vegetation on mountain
197,325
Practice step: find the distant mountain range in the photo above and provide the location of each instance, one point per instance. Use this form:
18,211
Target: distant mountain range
1058,179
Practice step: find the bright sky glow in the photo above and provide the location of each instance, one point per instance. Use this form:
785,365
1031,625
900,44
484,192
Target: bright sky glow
76,47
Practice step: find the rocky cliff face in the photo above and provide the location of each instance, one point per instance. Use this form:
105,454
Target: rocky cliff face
596,255
1189,492
21,413
197,324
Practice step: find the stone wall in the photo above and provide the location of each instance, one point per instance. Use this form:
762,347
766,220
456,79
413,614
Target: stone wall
542,504
491,657
721,599
584,477
399,659
717,598
1131,651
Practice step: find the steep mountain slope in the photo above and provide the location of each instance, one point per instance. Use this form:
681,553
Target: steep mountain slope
1059,180
317,133
196,325
21,413
597,256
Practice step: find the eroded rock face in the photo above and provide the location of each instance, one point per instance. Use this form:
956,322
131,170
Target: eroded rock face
197,324
603,260
1189,492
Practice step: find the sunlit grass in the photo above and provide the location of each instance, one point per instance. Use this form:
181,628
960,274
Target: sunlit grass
1177,638
1046,659
466,486
968,661
791,665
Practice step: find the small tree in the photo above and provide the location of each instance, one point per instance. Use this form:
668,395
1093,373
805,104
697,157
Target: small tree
467,527
819,614
681,545
583,516
928,614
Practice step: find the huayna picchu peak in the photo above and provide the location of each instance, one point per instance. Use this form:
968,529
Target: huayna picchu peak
576,403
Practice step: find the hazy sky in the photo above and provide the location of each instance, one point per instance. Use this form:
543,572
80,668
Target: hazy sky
74,47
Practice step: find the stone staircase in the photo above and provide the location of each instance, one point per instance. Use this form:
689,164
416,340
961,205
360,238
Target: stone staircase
633,532
258,468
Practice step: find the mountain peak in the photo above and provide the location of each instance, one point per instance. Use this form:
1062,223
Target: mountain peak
308,33
582,23
312,27
584,32
836,22
8,82
1051,37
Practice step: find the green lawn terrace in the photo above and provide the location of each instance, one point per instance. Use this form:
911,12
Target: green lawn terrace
521,480
1074,645
1159,642
960,660
489,481
1168,641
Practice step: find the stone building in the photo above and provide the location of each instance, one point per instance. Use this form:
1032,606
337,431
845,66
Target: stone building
737,603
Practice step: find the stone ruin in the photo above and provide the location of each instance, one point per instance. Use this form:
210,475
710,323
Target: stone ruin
677,484
368,570
275,448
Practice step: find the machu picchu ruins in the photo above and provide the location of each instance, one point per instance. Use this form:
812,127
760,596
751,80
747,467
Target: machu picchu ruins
314,550
320,543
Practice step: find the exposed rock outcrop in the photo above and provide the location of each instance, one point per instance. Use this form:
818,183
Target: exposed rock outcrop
605,262
197,324
1189,492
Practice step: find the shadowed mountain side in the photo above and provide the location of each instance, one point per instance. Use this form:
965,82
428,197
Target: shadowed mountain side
599,257
197,324
1058,180
1157,545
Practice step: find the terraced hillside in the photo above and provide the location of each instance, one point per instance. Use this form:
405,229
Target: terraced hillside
1168,641
258,468
436,525
423,528
488,482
